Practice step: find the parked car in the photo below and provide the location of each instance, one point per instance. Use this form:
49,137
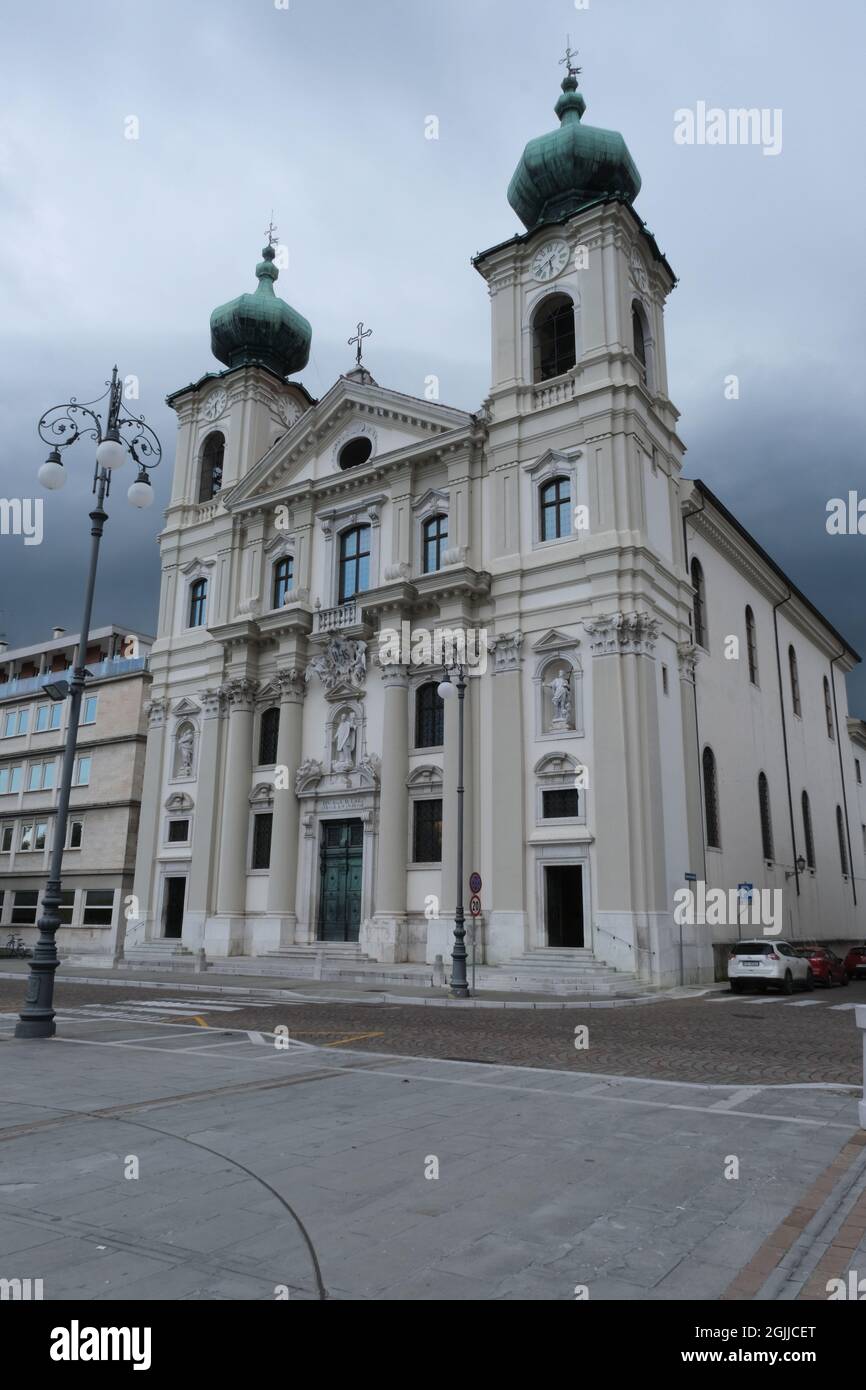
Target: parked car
764,963
827,968
855,963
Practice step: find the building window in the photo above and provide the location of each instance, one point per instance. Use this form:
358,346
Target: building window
268,733
555,501
48,717
429,716
211,466
843,849
795,682
7,833
766,819
435,536
553,343
665,689
10,779
34,836
711,800
857,771
354,562
41,777
807,831
559,803
639,338
262,827
700,605
82,772
828,710
283,571
66,906
197,603
98,907
752,646
16,721
88,709
427,832
356,452
178,832
24,908
76,834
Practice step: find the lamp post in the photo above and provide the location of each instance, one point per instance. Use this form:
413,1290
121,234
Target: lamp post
450,690
61,426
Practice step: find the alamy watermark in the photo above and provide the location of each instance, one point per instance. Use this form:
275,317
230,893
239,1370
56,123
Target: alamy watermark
729,907
712,125
22,516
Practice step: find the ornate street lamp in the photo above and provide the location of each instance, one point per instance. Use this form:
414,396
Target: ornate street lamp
450,690
61,426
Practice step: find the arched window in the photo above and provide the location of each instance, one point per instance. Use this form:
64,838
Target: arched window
795,681
197,603
429,716
283,571
828,710
808,837
268,732
843,849
700,604
356,452
711,800
553,346
639,337
555,502
752,646
211,476
435,536
766,818
354,562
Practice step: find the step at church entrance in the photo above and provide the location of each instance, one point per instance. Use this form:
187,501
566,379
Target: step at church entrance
341,863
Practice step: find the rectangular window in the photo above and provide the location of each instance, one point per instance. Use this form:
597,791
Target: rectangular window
88,709
76,834
98,907
10,779
197,603
559,803
66,906
16,722
178,832
858,770
665,679
82,772
48,717
41,777
24,908
34,836
6,835
262,826
427,832
25,840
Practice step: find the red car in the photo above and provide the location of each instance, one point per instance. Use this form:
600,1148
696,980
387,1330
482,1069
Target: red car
855,963
827,969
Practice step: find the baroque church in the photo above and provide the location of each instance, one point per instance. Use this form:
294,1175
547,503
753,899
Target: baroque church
648,696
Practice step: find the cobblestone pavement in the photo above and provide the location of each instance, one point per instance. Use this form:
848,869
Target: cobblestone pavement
714,1038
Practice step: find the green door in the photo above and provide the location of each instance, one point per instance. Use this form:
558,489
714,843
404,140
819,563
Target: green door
340,881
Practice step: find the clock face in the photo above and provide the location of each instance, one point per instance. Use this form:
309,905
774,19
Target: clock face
550,260
215,404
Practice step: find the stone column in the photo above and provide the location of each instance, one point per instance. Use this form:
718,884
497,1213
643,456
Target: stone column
504,898
279,929
232,881
141,926
440,935
199,899
687,656
386,937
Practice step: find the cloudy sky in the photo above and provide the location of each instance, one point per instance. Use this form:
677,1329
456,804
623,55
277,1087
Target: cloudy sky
118,249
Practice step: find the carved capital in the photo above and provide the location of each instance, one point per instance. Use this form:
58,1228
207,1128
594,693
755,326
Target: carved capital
506,652
687,660
240,695
211,702
621,634
292,685
157,713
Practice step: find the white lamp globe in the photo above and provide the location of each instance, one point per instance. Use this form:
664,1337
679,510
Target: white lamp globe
140,493
52,474
446,690
111,454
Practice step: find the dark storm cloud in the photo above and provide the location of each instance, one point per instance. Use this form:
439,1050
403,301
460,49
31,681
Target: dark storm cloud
117,249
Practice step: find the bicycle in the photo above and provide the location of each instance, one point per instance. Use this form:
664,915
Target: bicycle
16,946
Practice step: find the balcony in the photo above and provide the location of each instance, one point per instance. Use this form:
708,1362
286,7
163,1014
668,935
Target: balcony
336,619
101,670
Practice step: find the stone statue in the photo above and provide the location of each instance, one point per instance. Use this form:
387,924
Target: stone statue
344,741
185,752
560,697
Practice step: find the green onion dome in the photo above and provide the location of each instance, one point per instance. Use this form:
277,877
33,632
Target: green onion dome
563,171
260,328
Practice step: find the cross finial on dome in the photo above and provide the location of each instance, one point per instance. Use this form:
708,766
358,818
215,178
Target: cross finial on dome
272,240
573,69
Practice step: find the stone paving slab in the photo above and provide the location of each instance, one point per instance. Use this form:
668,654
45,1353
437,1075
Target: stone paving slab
546,1180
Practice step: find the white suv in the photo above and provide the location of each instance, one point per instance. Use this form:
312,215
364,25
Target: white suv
768,963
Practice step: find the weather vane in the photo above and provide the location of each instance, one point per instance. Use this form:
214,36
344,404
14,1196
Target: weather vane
573,69
359,338
270,231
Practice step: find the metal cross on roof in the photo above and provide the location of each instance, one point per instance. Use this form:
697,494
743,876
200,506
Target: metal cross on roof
270,231
573,69
359,338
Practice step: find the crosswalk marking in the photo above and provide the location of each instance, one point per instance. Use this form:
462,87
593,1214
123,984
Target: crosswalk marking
775,999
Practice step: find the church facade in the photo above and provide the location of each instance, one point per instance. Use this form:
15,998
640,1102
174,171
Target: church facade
647,696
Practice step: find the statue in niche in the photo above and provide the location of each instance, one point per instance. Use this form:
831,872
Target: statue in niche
344,741
185,751
560,698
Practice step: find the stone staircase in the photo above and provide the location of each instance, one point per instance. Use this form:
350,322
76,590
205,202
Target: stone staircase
567,970
166,953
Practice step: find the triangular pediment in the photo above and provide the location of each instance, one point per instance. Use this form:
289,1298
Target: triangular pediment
555,641
185,707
